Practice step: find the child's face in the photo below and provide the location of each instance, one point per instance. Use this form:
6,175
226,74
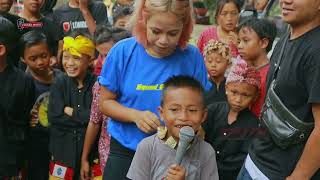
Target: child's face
32,5
216,64
122,21
37,57
228,17
75,67
163,33
251,46
5,5
240,95
182,107
104,48
259,5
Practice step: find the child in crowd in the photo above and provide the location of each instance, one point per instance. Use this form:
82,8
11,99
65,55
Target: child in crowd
182,104
121,16
16,100
227,15
32,19
69,107
35,53
256,39
80,16
217,57
105,37
259,6
230,126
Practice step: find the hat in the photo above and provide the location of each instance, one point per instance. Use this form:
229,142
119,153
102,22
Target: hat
79,45
217,47
242,72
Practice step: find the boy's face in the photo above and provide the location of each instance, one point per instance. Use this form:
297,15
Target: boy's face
5,5
259,5
240,95
251,46
163,33
104,48
32,6
37,57
75,67
182,107
216,64
122,21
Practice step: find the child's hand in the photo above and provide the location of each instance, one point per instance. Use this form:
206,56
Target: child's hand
176,172
68,111
85,170
34,118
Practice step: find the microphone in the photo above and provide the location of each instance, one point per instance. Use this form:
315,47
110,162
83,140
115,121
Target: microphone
186,135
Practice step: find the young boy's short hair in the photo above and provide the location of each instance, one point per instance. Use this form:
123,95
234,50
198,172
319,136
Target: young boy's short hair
106,33
182,81
8,34
263,27
120,11
29,39
218,47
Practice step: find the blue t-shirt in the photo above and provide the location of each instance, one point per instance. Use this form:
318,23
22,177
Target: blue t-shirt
137,78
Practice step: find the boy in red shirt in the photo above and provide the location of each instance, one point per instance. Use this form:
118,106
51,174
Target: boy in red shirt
256,38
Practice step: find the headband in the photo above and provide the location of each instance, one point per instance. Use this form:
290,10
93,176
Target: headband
242,72
79,45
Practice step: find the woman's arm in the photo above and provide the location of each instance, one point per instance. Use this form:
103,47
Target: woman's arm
146,121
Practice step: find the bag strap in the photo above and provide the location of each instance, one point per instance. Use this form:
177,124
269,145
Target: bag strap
278,63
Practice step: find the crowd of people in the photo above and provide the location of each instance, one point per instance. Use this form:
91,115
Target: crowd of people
101,90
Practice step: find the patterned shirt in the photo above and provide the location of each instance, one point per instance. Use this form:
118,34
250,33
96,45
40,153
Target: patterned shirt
97,117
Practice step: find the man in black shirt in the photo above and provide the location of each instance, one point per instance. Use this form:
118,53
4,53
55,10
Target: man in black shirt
16,99
298,88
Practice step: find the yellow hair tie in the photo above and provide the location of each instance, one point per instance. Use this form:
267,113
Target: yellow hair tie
79,45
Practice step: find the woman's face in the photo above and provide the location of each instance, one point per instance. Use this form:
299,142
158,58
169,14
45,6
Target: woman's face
163,33
228,17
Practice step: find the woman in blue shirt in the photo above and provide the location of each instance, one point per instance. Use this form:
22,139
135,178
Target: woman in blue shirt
135,70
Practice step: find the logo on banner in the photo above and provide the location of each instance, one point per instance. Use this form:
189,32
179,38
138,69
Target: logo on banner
59,171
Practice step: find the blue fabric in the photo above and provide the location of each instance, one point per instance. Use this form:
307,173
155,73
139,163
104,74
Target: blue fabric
137,79
244,174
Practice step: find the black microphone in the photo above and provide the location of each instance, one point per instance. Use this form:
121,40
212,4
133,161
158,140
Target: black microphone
186,135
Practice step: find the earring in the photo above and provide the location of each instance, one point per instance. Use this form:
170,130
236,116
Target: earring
226,92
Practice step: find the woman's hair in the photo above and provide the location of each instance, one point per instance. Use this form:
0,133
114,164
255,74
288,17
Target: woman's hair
106,33
145,8
220,5
30,39
218,47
